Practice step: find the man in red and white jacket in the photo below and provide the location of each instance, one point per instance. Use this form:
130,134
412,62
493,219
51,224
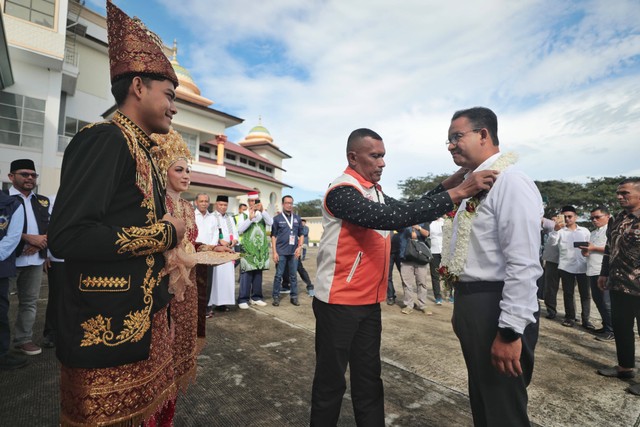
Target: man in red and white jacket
353,262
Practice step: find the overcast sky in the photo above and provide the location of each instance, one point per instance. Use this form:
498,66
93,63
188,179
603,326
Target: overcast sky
562,76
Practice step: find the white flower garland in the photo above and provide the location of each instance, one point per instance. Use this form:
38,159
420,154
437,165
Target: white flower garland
453,262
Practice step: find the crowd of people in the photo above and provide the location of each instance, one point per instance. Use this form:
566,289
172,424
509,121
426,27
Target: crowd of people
128,332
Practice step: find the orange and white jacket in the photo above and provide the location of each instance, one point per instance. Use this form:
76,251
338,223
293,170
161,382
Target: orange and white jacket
353,261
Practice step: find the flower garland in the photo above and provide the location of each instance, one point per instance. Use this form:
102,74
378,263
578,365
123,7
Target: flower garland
453,261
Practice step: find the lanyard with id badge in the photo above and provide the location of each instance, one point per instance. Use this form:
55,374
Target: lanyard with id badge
292,238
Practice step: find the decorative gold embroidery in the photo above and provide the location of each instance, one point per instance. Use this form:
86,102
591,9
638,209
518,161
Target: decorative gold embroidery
4,222
44,203
97,330
104,284
139,144
144,240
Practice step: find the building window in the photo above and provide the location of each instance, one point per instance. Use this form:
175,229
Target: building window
21,120
268,169
230,156
71,127
261,166
243,160
205,149
252,163
39,12
192,142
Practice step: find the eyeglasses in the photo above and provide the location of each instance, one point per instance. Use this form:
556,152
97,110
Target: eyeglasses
455,138
27,174
595,217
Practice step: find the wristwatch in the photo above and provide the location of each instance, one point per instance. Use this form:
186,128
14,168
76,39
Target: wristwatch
508,334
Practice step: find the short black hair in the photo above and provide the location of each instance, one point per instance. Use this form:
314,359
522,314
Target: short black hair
241,205
630,180
359,134
287,197
568,208
481,117
601,208
120,87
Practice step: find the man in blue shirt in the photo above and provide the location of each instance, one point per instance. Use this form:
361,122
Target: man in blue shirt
286,243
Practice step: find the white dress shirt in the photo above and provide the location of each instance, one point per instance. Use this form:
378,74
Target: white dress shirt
594,260
571,259
32,228
435,234
206,228
505,244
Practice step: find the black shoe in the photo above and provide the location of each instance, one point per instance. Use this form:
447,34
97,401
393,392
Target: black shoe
275,302
294,301
550,316
606,336
568,323
12,361
613,372
589,326
48,342
598,331
634,389
222,308
391,301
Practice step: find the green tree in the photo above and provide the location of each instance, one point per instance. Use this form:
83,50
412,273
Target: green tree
309,208
555,193
414,188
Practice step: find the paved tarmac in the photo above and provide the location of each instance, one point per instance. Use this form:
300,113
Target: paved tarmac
257,369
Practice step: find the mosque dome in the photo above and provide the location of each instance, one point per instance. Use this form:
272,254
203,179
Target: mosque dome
187,89
258,133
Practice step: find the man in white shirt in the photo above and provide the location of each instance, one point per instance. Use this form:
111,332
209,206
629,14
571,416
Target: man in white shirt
493,251
572,266
204,220
435,236
594,252
31,252
223,282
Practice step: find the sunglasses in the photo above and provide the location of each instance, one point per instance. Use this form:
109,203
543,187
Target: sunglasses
27,174
596,217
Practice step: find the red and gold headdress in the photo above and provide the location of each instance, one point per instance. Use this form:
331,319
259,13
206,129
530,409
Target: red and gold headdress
133,48
171,148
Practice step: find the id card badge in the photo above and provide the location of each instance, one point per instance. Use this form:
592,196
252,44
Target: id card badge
292,239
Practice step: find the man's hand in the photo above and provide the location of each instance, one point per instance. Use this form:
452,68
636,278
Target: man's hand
276,258
297,253
455,179
47,265
505,356
29,250
37,240
177,223
475,183
603,283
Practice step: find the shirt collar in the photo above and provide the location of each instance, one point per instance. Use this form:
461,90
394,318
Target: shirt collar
366,184
485,165
14,191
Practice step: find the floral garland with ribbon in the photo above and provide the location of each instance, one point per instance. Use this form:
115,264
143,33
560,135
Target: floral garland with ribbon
453,262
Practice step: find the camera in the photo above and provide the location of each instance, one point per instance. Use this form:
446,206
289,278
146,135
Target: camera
257,201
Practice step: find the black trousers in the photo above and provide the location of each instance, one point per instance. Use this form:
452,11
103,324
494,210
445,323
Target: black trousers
56,276
496,400
568,290
347,335
625,310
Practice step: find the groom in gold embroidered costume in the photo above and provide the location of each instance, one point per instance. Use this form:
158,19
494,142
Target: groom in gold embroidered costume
111,227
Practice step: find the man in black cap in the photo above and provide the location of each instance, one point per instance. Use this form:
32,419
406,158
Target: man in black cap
223,282
31,252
